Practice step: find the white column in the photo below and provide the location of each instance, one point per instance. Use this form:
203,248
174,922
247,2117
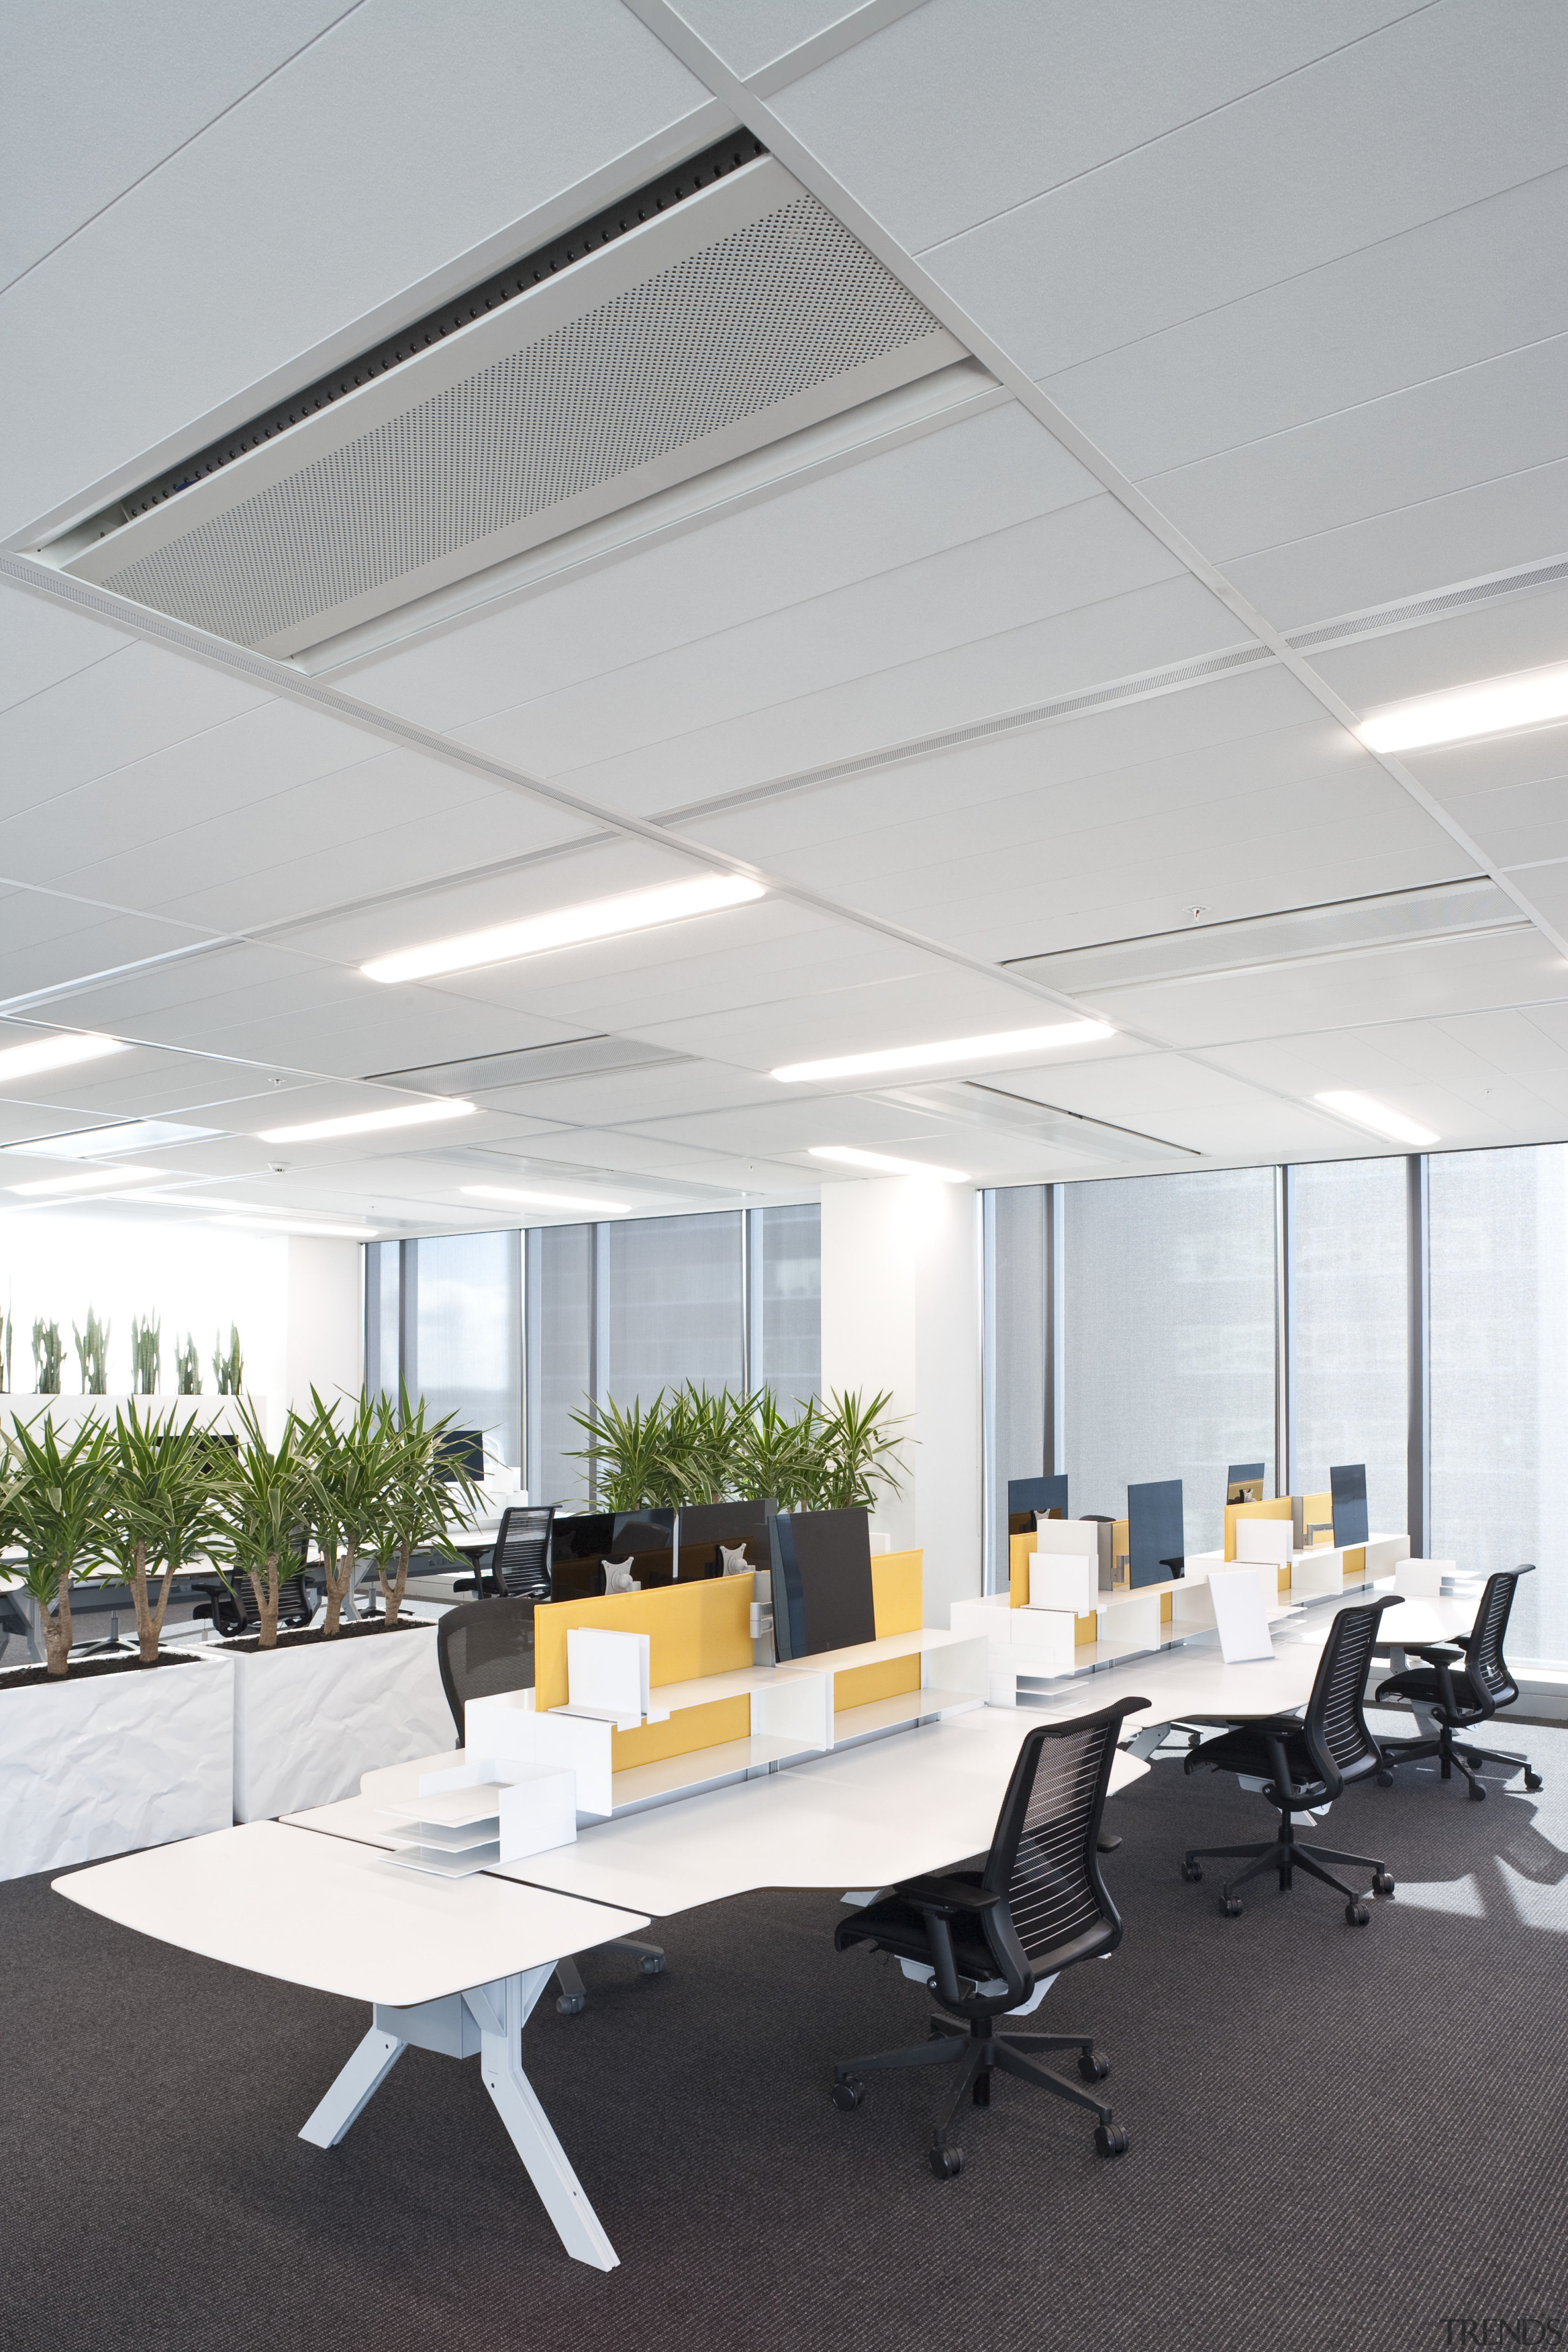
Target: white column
325,1344
901,1310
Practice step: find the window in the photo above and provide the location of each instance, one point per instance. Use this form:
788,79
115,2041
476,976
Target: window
383,1296
786,1302
1498,1247
1349,1341
1168,1338
673,1311
1018,1354
561,1327
463,1323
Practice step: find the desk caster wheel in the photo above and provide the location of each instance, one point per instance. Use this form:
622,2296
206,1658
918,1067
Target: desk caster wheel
1532,1780
1385,1778
572,2004
1093,2067
1382,1884
1477,1794
1193,1871
653,1966
1110,2140
1357,1915
947,2163
848,2096
1230,1904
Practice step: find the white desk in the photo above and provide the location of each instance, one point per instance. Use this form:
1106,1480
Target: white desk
450,1966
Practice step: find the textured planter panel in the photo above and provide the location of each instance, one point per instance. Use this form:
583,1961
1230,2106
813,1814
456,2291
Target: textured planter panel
309,1721
100,1766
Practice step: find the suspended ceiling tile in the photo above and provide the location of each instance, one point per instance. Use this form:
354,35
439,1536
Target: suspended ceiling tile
299,213
42,642
138,702
49,943
946,1002
787,1125
1437,298
619,1098
1486,640
1546,887
1445,108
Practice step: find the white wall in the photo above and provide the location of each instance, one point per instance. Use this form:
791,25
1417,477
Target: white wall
901,1310
325,1335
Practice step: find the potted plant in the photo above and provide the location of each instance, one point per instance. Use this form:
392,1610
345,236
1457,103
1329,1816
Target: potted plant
146,1354
159,1512
92,1354
423,1498
228,1370
350,1466
188,1368
99,1755
312,1712
46,1354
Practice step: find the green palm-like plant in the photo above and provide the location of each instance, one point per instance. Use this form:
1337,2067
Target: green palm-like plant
51,1508
778,1455
158,1511
857,1452
352,1460
425,1498
627,1453
264,1495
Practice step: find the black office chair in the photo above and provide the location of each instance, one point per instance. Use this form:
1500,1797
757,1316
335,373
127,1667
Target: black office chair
1463,1685
519,1567
1304,1762
232,1609
1037,1906
482,1649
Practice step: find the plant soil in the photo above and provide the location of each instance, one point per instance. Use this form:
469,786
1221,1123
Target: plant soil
38,1677
307,1637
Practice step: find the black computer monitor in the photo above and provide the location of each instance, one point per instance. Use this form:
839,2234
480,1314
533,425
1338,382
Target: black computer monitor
583,1544
705,1531
822,1598
1244,1482
1157,1536
1347,1484
460,1449
1030,1500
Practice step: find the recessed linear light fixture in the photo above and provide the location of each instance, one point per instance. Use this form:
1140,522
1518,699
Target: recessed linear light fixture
367,1122
1363,1110
93,1180
1007,1043
881,1165
294,1226
596,919
545,1200
1491,706
60,1053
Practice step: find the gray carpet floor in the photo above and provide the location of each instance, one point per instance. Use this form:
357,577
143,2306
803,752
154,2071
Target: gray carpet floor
1340,2136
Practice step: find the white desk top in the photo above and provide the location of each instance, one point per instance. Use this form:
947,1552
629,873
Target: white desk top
865,1816
321,1912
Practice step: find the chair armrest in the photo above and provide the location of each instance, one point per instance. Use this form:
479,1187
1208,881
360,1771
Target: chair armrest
1436,1653
947,1895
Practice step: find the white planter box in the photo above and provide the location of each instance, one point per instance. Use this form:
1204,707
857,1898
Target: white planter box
101,1764
310,1719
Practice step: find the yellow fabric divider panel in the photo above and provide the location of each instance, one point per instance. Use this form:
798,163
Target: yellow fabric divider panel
898,1589
1355,1565
1318,1511
1280,1508
684,1734
1085,1628
693,1629
1020,1551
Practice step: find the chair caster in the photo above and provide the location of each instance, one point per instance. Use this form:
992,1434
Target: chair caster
1192,1872
848,2096
1532,1780
1093,2067
1382,1884
1385,1778
653,1966
1477,1794
947,2163
1231,1905
572,2004
1357,1915
1110,2140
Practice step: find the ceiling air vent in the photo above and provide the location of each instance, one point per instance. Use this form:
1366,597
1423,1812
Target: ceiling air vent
738,313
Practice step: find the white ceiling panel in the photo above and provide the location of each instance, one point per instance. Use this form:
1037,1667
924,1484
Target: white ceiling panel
42,642
1510,796
1484,640
760,31
612,1097
299,212
138,702
1446,107
1118,637
1523,518
48,942
1438,299
1082,554
971,108
1546,887
895,507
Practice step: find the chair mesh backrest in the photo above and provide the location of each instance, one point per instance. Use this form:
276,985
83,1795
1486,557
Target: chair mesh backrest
484,1648
292,1599
1483,1651
522,1551
1052,1883
1333,1715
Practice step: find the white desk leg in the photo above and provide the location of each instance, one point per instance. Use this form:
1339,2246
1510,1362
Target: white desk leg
354,2088
548,2168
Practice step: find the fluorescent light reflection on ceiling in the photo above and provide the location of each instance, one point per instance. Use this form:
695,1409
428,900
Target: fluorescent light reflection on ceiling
566,927
881,1165
367,1122
62,1053
1534,697
1007,1043
546,1199
1365,1111
93,1179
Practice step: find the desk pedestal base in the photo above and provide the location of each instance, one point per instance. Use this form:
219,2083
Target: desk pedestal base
487,2021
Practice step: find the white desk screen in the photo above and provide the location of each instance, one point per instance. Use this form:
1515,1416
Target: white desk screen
1241,1615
